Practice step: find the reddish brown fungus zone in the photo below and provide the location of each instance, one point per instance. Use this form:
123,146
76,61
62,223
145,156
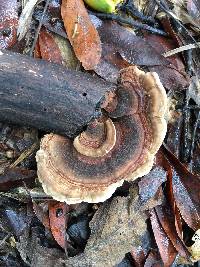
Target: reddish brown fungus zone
126,155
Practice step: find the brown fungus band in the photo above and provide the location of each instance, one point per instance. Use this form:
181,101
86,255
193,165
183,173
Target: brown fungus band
120,147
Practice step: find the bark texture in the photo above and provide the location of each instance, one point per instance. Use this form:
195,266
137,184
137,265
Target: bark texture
47,96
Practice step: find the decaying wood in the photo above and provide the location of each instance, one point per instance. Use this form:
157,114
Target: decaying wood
48,96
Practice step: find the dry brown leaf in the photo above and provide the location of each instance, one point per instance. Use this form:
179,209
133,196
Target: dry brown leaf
139,256
81,32
167,220
166,248
57,223
185,191
48,48
13,177
132,49
56,49
115,227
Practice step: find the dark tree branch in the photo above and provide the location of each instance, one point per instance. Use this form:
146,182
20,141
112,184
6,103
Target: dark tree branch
48,96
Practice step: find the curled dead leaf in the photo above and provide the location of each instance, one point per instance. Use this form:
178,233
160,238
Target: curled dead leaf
56,49
81,32
166,248
58,221
185,190
167,220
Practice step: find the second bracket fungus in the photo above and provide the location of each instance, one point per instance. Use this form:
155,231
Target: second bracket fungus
120,146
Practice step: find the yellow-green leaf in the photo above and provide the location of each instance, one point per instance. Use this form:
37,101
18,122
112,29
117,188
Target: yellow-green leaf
106,6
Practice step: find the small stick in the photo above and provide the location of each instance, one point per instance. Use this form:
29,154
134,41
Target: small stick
186,118
4,239
181,49
38,29
130,7
193,139
130,22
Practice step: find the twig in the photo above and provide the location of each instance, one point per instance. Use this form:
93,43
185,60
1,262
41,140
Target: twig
9,195
39,27
24,155
189,66
186,118
193,139
181,49
4,239
129,7
130,22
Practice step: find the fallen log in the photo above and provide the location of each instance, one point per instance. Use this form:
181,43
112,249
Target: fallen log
47,96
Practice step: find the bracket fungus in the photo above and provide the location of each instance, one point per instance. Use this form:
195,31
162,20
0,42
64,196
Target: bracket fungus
120,146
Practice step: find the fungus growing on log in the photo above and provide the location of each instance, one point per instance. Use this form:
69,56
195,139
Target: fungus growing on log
121,146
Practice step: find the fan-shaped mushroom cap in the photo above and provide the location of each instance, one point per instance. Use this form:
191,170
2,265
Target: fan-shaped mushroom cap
92,166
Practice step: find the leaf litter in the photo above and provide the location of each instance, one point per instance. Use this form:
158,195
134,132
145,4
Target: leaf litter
144,223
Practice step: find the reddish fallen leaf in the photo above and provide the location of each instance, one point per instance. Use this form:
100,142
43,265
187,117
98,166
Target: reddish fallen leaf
164,44
186,191
165,246
161,160
178,222
171,201
37,53
58,221
153,260
13,177
56,49
48,47
184,194
138,256
167,25
81,32
8,23
167,220
111,61
171,78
